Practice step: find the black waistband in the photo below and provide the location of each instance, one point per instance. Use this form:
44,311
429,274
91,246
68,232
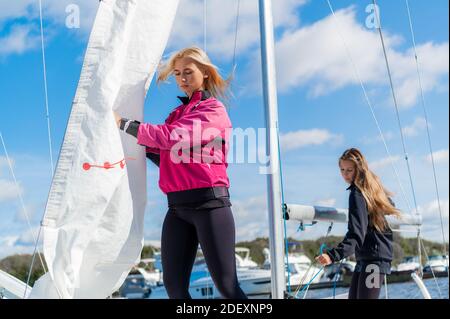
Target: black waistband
196,195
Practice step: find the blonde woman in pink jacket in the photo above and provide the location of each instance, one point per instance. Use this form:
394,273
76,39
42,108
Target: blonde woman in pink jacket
190,149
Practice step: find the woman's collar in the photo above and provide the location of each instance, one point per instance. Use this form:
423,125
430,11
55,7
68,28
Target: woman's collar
205,94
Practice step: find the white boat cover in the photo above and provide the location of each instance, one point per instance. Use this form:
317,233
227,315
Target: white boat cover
93,225
11,287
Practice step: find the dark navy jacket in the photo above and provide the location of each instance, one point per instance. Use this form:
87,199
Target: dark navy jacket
362,238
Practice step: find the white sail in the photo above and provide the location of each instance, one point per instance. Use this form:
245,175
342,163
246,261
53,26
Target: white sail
93,224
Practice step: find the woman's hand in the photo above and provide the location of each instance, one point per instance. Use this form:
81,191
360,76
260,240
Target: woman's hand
323,259
117,118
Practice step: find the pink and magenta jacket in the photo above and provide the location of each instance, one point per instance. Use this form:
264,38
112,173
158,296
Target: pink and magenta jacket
192,144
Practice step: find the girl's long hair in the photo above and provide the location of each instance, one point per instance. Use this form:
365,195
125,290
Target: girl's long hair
214,83
376,196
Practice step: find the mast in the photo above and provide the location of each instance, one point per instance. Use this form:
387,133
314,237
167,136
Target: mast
278,282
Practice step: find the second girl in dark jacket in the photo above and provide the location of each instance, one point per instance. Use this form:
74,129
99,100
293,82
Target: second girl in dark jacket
369,236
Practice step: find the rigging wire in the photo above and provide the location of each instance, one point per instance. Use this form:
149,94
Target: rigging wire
402,137
44,65
46,88
22,203
205,13
369,103
422,95
394,97
431,268
238,9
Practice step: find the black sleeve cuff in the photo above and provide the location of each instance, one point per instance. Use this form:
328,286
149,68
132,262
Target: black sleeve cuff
133,127
122,123
332,254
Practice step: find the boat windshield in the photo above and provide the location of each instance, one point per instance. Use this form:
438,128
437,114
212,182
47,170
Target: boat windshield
436,257
410,259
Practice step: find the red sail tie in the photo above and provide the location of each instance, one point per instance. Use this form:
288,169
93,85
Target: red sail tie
107,165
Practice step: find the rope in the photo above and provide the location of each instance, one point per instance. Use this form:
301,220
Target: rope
336,278
427,125
286,243
302,281
322,247
309,282
396,106
366,96
386,296
302,226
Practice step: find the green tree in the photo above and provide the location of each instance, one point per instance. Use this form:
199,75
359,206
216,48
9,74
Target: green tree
19,265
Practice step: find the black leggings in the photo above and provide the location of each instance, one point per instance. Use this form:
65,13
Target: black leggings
363,287
183,230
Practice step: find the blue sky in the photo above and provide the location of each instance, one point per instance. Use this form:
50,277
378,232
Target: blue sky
322,110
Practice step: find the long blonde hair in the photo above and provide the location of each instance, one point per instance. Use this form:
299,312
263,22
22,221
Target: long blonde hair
376,196
214,83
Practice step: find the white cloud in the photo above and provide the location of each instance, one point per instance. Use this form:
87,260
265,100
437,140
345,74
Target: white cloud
8,190
28,238
377,139
56,10
432,208
221,21
19,244
415,128
25,36
12,245
431,220
251,218
221,24
440,157
315,56
7,246
434,65
381,163
302,138
22,215
51,10
20,39
15,9
316,53
3,164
